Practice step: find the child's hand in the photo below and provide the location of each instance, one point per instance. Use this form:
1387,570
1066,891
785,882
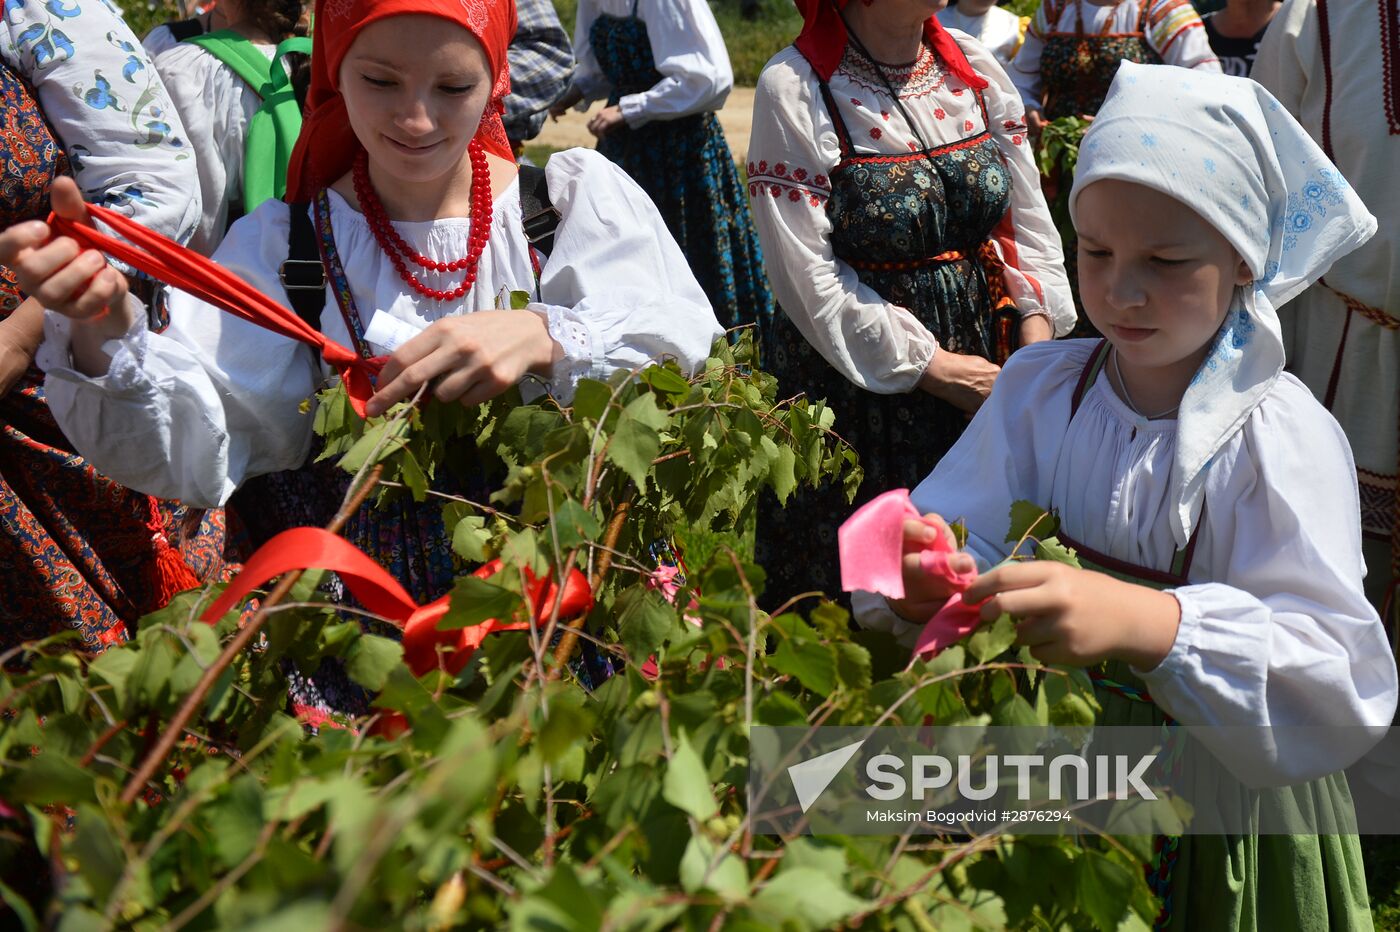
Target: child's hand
924,594
1078,617
471,358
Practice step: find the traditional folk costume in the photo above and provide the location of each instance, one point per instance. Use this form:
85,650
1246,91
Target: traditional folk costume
213,401
1241,507
80,551
663,62
900,213
1001,31
1073,49
217,105
1336,67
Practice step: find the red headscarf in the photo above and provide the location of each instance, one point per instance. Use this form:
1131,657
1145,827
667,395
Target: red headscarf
823,41
327,147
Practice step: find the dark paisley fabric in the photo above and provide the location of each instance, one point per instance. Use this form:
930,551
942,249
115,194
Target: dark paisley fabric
1076,68
75,549
912,226
686,168
30,158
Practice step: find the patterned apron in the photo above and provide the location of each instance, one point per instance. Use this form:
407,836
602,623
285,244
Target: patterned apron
1076,68
915,226
687,170
75,546
1257,883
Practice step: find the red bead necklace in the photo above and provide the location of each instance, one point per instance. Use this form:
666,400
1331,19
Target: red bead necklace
397,250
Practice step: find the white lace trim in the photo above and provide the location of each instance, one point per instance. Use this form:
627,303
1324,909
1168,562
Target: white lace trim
571,333
126,372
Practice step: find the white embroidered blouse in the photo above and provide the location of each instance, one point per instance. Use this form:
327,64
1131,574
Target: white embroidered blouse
878,345
1275,628
1172,28
999,30
99,91
215,105
686,45
190,413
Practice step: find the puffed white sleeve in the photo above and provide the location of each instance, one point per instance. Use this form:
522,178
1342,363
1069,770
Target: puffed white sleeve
190,413
877,345
588,76
216,107
1025,67
1005,455
103,97
1285,636
691,57
616,285
1026,237
1178,35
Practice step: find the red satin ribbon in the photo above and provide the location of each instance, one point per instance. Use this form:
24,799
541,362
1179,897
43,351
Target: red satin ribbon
307,547
185,269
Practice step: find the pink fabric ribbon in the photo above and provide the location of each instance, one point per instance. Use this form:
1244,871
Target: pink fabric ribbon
872,549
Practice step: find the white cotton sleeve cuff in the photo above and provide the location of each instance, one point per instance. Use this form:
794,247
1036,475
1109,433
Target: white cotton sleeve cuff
872,610
125,375
633,108
583,350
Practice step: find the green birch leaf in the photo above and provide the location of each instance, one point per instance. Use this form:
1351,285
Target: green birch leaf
371,659
812,664
1028,518
474,600
1051,549
470,538
810,895
637,440
686,784
729,878
989,640
1105,889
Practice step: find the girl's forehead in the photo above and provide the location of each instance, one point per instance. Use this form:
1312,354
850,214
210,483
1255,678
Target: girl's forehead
1127,208
416,38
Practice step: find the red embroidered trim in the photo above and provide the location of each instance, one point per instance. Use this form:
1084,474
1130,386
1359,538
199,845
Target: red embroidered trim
798,183
1390,62
967,143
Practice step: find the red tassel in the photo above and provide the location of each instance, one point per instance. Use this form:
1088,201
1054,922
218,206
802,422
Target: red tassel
170,575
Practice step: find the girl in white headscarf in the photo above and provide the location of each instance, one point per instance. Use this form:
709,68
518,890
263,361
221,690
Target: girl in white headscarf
1211,499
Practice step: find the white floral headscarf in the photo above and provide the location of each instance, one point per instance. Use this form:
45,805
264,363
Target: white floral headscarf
1228,150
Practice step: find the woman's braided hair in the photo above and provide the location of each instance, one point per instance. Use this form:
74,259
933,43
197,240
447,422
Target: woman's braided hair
282,19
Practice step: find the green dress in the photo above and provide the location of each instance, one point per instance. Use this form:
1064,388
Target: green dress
1252,883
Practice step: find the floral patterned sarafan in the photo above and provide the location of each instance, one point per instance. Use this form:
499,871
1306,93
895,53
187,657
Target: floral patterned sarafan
75,546
686,168
912,226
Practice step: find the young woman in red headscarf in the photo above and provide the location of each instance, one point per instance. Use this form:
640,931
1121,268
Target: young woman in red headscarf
907,241
405,171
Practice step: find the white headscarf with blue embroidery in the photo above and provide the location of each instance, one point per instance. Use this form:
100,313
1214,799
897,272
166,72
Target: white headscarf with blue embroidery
1227,149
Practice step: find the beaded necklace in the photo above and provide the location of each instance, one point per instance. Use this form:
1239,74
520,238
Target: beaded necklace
397,250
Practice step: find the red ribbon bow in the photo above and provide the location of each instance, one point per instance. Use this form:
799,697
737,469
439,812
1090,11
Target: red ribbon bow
187,270
308,547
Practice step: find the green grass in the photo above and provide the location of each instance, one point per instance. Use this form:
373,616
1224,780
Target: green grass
751,42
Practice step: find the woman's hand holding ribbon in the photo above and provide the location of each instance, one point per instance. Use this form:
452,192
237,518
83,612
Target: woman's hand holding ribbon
64,277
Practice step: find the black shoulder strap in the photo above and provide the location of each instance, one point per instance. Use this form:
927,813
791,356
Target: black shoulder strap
303,276
540,218
186,29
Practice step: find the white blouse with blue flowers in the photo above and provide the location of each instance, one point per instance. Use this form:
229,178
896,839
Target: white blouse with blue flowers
108,107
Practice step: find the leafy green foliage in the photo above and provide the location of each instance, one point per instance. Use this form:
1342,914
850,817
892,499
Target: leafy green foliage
514,797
